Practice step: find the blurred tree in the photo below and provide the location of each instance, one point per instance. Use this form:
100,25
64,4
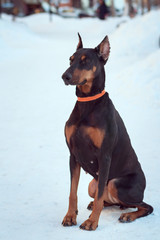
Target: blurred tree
129,9
90,3
0,8
50,12
112,8
149,5
19,7
142,7
157,3
76,3
146,4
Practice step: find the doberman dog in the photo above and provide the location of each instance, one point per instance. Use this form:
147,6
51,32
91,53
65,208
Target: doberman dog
99,143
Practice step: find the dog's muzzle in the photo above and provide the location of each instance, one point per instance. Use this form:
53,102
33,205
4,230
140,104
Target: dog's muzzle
67,78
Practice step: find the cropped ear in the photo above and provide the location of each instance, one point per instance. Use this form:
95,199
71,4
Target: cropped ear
103,49
80,44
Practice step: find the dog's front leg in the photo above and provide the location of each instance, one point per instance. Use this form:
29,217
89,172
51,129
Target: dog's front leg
70,218
92,222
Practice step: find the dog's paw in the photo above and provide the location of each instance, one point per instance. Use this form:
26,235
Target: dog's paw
69,220
90,206
126,218
89,225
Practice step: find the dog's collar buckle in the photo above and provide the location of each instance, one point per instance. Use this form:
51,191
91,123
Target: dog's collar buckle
91,98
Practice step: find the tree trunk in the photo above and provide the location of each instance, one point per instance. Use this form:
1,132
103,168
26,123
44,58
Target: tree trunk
90,3
130,6
142,7
0,8
50,12
112,8
157,3
149,5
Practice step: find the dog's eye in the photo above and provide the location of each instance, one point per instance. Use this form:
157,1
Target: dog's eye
71,60
85,61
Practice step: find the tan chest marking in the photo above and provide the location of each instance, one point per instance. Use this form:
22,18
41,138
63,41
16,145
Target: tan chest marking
96,135
69,131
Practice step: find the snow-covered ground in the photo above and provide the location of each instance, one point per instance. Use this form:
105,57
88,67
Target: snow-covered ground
35,103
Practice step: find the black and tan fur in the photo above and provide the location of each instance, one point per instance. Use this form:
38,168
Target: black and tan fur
99,143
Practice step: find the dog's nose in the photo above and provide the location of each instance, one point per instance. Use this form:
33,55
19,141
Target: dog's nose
67,77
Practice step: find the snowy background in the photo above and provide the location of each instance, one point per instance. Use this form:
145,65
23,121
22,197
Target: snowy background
35,103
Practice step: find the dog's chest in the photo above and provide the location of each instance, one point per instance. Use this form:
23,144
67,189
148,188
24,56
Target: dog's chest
84,133
85,143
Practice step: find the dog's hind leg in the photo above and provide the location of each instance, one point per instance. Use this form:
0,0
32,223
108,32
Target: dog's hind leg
128,191
143,210
92,191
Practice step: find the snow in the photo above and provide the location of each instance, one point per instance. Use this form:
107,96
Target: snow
35,103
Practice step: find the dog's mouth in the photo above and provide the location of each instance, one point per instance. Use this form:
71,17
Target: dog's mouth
83,82
75,83
68,81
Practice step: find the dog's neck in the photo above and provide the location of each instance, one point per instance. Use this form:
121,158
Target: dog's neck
93,88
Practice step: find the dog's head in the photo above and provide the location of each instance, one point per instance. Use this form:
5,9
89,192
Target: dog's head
86,63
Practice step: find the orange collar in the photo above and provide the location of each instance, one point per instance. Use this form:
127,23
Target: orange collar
88,99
